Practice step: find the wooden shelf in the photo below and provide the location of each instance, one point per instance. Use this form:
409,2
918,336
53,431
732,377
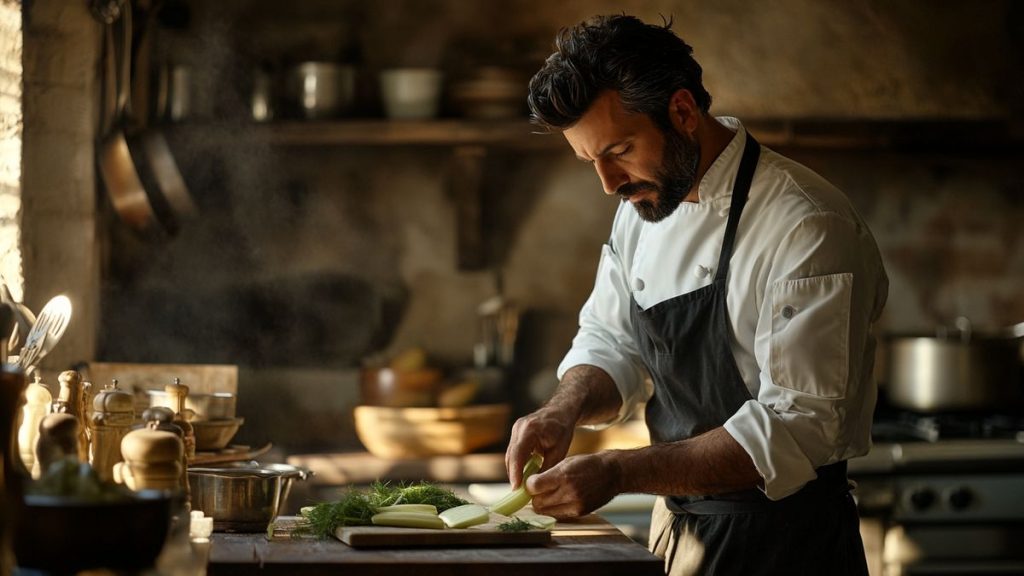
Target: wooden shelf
853,133
518,133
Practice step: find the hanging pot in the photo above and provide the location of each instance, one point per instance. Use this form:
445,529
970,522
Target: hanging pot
957,370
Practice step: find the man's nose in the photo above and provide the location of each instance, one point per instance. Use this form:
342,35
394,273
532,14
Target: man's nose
611,176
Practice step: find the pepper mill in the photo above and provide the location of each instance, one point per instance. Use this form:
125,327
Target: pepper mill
178,392
113,414
162,418
151,460
71,400
37,405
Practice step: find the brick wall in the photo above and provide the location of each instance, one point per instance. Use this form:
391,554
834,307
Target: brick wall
59,203
10,145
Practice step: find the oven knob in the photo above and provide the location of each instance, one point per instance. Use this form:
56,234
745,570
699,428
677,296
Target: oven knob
922,498
960,498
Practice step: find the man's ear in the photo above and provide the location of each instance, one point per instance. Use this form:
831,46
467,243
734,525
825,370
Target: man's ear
683,111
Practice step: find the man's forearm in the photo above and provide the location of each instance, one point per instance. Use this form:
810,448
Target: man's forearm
712,463
587,394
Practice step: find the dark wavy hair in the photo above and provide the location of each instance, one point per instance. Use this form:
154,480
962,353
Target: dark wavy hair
644,63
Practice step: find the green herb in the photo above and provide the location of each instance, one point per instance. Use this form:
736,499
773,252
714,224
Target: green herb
352,509
356,508
516,524
418,493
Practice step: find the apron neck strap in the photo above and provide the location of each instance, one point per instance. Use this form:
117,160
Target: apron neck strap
740,192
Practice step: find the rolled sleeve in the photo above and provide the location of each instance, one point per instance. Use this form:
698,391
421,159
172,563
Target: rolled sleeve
816,392
605,337
776,455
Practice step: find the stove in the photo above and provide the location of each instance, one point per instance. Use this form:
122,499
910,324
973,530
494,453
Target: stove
946,491
914,427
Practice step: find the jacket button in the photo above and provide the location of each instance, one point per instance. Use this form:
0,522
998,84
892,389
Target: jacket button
788,312
701,271
638,285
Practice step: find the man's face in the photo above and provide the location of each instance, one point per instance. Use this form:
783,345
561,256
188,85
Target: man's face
651,168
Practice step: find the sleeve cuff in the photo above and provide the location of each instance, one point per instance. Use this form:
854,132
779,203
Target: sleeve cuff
776,455
628,380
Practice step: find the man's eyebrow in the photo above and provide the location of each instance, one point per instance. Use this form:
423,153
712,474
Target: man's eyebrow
605,150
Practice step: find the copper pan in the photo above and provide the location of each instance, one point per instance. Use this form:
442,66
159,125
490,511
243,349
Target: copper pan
169,194
117,165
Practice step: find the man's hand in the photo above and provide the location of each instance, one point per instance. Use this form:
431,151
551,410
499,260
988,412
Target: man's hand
576,486
547,431
585,395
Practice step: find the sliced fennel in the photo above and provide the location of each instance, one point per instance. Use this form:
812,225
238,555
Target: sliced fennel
408,520
516,499
511,502
465,516
539,521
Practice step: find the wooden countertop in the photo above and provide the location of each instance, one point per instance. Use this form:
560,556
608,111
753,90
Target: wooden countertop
589,545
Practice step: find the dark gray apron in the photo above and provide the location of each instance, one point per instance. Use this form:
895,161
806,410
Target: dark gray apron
685,343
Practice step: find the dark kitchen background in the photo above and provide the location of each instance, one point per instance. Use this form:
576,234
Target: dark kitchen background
320,247
315,247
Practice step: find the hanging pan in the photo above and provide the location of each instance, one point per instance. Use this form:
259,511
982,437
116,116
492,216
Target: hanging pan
117,165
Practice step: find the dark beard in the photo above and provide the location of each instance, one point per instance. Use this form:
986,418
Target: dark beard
674,179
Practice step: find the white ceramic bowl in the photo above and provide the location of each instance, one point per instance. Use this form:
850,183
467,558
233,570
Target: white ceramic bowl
411,93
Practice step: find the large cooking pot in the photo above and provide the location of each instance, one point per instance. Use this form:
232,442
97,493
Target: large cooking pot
957,370
242,498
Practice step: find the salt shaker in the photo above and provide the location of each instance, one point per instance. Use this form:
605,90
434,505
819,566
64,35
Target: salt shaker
71,400
37,406
113,414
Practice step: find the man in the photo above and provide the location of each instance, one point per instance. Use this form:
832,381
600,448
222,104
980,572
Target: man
744,284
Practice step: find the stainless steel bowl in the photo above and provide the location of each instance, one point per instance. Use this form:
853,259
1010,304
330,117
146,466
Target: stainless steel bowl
321,89
241,499
288,472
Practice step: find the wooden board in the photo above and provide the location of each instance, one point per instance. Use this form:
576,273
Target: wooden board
200,378
482,535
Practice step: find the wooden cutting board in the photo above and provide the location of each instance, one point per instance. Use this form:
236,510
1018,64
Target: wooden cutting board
481,535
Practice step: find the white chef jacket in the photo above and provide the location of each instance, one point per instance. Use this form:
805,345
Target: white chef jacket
805,284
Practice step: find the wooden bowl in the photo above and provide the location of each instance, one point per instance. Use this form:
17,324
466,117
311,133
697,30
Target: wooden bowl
215,434
390,432
400,388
